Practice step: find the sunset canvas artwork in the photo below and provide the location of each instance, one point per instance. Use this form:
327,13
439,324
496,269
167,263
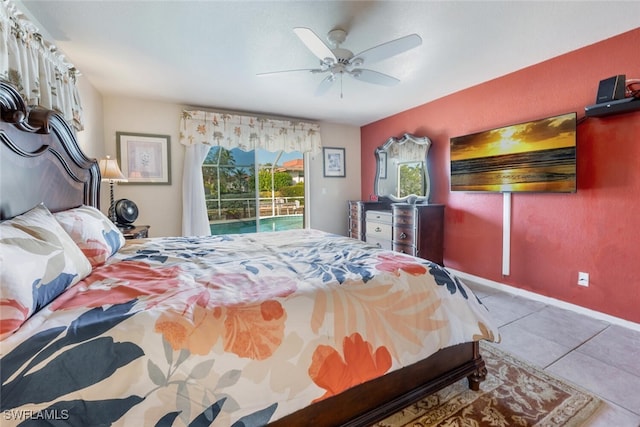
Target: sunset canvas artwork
536,156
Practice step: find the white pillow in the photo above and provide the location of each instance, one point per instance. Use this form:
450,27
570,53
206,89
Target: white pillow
96,236
39,261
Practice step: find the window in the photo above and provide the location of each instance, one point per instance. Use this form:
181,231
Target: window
249,191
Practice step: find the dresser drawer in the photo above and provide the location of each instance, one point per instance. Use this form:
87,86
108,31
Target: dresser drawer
381,243
404,235
404,217
379,230
385,217
405,249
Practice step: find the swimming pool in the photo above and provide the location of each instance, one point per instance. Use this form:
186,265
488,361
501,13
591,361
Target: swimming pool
274,223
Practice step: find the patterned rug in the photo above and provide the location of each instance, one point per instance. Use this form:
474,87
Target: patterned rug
513,394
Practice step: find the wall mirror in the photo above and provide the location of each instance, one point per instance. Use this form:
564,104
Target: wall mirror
401,174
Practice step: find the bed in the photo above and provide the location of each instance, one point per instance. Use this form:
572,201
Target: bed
292,328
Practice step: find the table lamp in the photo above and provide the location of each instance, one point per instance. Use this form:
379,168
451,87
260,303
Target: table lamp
110,171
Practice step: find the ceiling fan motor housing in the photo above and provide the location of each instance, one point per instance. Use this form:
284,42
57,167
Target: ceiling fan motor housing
342,55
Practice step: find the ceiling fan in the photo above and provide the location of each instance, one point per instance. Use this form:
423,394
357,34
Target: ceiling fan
337,61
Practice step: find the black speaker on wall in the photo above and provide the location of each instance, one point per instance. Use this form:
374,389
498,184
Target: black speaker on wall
611,89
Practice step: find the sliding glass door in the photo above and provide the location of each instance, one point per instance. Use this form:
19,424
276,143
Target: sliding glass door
250,191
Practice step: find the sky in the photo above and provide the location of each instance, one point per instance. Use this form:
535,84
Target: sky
246,158
553,132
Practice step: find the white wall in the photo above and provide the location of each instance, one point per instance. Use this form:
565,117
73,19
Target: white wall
91,139
329,196
160,206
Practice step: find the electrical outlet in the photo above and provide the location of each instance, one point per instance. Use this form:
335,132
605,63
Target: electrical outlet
583,278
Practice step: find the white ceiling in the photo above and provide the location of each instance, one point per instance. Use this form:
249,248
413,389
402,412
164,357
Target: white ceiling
207,53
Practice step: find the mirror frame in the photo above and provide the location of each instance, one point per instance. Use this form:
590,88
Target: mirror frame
411,198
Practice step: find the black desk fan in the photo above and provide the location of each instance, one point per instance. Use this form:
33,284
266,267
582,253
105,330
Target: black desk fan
126,213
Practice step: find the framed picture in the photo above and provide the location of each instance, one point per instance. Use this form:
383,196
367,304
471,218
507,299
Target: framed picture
144,158
334,163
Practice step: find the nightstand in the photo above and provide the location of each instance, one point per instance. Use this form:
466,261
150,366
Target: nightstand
137,232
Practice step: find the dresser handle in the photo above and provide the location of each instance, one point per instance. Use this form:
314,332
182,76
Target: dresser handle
378,229
403,235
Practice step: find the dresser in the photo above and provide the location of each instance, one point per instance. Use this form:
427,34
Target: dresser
419,230
414,229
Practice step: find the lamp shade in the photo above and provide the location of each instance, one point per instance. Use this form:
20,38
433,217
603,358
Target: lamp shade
110,171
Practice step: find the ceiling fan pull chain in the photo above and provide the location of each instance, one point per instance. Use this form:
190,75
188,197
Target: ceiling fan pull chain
341,85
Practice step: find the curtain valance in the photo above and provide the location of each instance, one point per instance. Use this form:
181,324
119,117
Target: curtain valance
35,68
248,132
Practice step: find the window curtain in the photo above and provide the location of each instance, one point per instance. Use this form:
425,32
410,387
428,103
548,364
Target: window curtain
201,130
194,223
35,68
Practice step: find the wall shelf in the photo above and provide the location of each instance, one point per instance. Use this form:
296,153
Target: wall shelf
619,106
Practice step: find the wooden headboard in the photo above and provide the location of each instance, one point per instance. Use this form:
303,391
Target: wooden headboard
40,160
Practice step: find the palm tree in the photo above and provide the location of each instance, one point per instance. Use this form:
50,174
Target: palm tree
240,176
215,169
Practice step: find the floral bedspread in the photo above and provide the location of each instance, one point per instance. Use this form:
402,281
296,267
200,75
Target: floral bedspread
229,330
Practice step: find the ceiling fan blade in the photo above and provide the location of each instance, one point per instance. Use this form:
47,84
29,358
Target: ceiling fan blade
314,44
389,49
325,84
310,70
374,77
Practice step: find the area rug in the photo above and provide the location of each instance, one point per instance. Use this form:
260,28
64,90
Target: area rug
513,394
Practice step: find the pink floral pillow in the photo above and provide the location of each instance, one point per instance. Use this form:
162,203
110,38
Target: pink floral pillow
96,236
39,261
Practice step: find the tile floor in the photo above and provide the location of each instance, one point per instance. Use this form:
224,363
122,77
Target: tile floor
593,354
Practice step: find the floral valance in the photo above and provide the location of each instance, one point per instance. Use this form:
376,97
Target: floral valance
35,68
248,132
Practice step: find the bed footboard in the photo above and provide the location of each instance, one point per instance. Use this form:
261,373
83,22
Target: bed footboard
368,403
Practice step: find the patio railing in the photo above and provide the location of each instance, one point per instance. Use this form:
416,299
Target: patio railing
244,208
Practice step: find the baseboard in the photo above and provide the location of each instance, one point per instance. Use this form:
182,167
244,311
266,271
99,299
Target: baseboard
547,300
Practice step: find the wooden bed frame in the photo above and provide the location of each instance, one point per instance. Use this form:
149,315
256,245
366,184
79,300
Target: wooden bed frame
40,161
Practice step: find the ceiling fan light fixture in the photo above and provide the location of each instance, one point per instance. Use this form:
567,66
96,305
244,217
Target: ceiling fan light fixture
328,62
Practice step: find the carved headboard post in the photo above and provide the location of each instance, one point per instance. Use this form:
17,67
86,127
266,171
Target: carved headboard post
40,160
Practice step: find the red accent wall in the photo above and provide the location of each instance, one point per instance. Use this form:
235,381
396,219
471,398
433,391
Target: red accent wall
554,236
